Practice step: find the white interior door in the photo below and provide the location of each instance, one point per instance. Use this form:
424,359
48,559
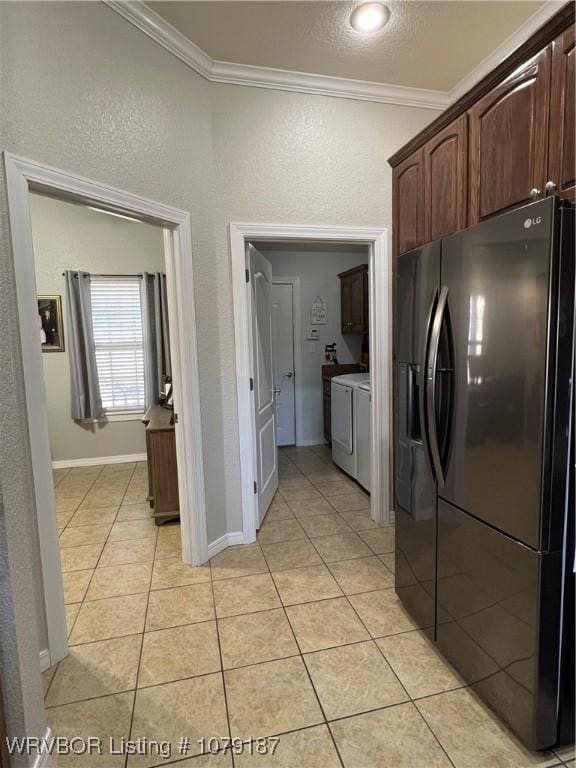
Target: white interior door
283,362
262,368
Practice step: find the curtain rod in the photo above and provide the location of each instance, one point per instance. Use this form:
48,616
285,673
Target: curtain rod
95,274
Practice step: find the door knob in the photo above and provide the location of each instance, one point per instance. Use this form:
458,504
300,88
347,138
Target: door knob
288,375
550,187
535,194
276,391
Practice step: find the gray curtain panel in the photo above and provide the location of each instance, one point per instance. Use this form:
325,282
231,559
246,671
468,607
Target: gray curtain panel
156,334
85,390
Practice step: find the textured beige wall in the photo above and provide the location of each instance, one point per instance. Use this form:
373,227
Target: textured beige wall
69,236
84,91
293,158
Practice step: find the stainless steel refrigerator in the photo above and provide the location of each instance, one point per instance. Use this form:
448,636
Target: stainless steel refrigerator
484,482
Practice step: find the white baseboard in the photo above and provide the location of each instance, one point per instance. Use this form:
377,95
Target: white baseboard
45,662
44,758
228,540
95,461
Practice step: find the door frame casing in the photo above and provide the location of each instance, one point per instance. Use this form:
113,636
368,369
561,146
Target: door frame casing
378,242
22,177
296,330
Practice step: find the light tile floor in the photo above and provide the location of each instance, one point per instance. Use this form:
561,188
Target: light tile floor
299,635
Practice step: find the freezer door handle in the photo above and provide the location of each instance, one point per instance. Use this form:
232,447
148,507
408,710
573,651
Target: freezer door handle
430,386
421,379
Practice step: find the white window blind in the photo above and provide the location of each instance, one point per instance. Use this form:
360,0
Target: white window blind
117,324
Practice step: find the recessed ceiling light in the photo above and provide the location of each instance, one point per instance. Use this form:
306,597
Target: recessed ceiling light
369,17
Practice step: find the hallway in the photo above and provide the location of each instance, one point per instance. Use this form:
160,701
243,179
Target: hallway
299,635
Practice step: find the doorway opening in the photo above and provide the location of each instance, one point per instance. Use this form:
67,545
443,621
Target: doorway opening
313,340
266,280
89,319
286,358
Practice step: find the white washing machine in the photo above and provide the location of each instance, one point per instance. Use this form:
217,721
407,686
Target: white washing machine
344,451
363,423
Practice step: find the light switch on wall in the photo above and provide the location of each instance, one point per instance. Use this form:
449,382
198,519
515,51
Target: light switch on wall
312,347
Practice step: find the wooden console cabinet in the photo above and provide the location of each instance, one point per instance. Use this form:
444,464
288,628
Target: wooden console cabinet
162,466
506,142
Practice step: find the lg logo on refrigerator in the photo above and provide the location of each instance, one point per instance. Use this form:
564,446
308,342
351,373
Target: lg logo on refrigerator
532,222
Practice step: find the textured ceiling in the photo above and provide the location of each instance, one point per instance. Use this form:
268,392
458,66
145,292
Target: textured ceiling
426,44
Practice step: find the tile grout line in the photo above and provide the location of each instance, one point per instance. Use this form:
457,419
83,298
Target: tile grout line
224,690
82,500
436,738
374,643
370,640
84,600
300,653
301,656
99,556
296,639
69,629
373,640
131,725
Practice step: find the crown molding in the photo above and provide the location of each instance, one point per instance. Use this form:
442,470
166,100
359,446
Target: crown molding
324,85
516,39
153,25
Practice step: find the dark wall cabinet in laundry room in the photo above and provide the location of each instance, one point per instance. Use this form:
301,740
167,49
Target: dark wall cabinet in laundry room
354,299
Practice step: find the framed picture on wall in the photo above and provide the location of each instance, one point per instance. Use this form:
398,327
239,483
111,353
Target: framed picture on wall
50,324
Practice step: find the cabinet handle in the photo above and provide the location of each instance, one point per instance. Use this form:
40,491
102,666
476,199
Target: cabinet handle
535,194
550,187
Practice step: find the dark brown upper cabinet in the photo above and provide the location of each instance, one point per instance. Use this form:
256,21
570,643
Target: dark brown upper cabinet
446,180
408,203
505,142
509,140
561,159
354,299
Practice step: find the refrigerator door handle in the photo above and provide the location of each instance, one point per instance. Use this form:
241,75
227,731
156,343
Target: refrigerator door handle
422,383
430,385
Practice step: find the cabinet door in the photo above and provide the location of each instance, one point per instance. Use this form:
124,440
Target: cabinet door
446,180
346,303
509,140
562,126
357,302
408,203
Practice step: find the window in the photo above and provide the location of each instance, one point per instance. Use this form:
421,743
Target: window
118,338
